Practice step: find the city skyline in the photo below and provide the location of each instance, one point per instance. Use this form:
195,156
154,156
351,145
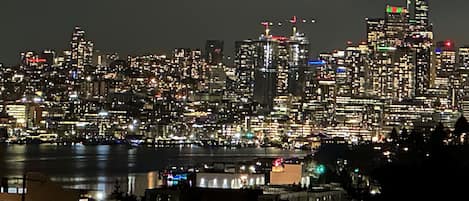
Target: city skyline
137,38
399,78
186,101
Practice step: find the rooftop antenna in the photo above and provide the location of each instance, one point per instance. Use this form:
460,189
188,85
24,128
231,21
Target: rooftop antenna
293,21
266,24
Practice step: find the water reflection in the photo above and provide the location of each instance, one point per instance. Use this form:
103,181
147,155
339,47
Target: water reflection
99,167
132,184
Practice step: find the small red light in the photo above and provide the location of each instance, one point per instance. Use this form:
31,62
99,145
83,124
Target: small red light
293,20
281,38
37,60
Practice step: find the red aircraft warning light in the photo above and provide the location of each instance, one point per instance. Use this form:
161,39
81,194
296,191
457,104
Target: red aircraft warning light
448,43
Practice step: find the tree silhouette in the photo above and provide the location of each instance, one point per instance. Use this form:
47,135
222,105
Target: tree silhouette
461,126
437,139
417,140
404,135
394,136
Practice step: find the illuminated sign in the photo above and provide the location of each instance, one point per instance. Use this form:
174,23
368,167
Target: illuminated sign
278,162
317,62
387,48
341,70
175,179
282,38
394,9
37,60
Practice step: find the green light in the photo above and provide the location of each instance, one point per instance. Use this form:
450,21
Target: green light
356,170
320,169
394,9
387,48
389,9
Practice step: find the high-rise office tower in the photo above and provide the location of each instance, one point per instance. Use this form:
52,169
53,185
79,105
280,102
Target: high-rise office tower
282,68
375,33
279,65
266,60
463,58
445,71
396,26
463,71
445,55
421,39
298,53
214,52
403,74
357,65
245,53
392,65
342,73
81,53
421,43
421,12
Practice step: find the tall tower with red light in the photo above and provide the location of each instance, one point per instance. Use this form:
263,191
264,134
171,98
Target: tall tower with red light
446,78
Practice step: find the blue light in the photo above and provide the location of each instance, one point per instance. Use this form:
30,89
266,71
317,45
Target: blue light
74,75
438,50
317,62
341,70
179,177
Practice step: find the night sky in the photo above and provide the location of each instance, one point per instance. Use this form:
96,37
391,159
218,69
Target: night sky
144,26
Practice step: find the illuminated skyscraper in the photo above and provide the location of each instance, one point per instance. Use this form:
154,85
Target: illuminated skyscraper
445,71
245,53
421,43
445,55
375,33
266,59
298,53
421,39
396,26
463,58
358,69
282,67
463,71
81,53
392,66
421,14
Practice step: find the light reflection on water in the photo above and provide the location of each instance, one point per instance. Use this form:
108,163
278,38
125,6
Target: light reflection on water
133,183
98,167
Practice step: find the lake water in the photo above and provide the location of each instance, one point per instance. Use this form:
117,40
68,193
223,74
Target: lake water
98,167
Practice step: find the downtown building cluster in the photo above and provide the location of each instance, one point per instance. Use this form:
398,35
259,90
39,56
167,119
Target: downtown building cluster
399,78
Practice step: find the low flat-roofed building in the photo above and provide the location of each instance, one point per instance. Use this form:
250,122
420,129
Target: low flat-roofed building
229,180
286,174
